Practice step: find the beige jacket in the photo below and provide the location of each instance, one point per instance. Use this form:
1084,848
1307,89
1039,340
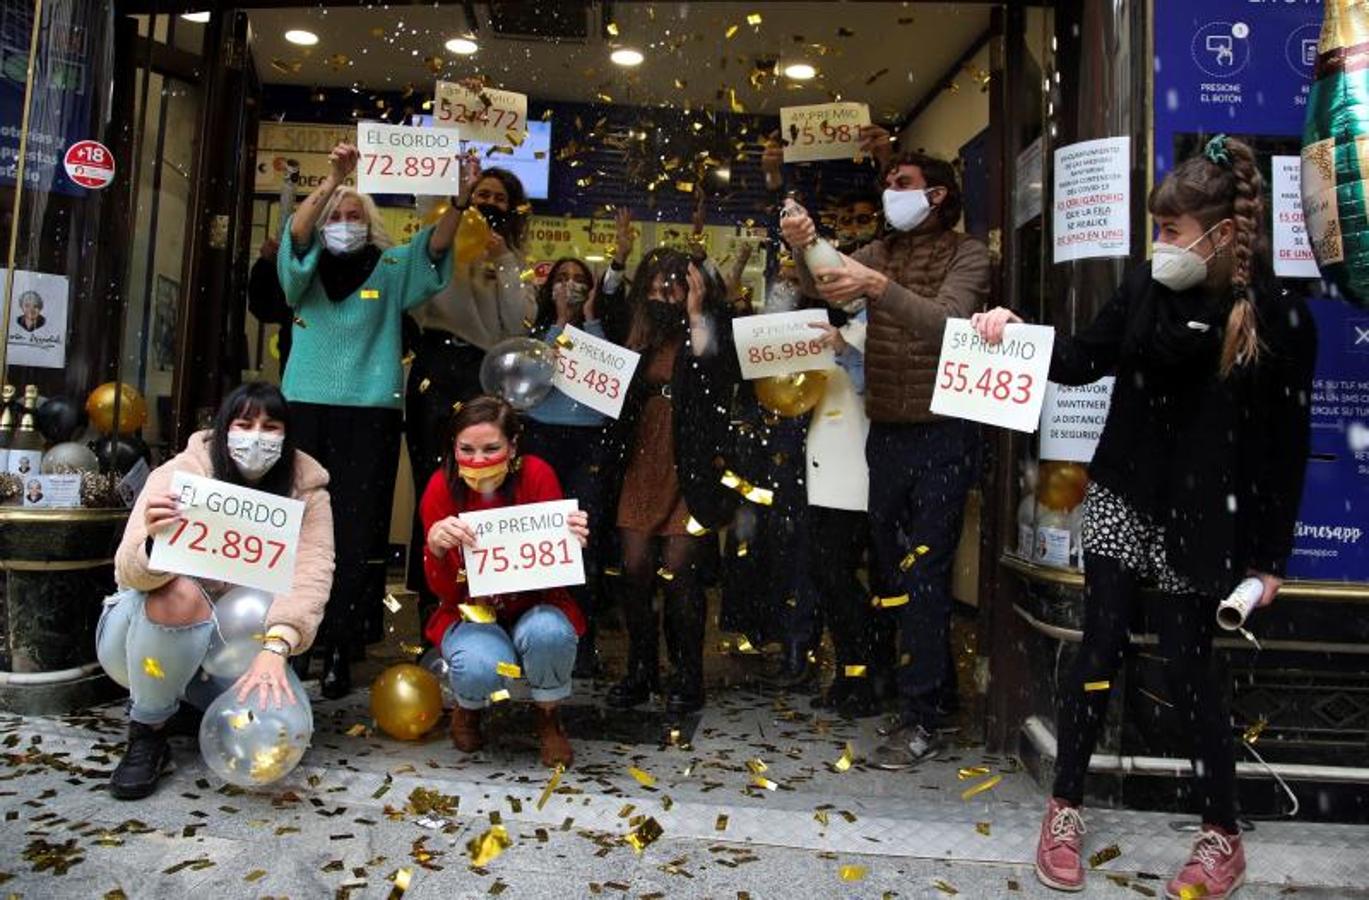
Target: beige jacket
296,615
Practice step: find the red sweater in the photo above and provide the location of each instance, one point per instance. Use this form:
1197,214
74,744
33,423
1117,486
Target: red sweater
534,483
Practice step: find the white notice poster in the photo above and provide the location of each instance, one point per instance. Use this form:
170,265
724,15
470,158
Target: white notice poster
38,319
1092,199
1072,419
1292,253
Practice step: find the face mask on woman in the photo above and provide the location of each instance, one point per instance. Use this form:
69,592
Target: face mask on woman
905,210
1179,268
484,475
341,238
665,315
254,452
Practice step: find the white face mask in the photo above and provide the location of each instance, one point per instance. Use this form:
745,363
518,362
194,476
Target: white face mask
1179,268
905,210
342,238
254,452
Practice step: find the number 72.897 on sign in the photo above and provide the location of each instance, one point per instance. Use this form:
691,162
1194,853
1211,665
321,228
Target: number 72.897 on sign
232,544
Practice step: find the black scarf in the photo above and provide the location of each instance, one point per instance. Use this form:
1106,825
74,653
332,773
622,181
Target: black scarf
1163,339
341,276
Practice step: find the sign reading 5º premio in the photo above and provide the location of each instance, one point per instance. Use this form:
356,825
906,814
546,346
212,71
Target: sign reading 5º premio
999,384
230,533
522,548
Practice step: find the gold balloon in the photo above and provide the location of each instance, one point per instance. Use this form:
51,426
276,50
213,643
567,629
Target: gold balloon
472,235
132,408
1062,485
791,395
437,212
406,701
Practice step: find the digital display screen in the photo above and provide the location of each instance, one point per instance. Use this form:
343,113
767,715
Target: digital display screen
531,160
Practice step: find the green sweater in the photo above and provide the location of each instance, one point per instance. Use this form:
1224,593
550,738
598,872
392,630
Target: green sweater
349,353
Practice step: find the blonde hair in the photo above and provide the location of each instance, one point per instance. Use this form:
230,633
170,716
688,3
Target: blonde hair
1224,182
379,236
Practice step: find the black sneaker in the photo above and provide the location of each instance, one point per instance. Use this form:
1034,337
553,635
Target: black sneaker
146,758
905,748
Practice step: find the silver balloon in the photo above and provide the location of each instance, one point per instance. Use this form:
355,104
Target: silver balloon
433,661
249,746
241,617
519,370
69,456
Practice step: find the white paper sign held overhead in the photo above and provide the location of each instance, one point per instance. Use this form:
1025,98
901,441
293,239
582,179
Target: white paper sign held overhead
489,116
999,384
781,343
593,371
399,159
522,548
822,131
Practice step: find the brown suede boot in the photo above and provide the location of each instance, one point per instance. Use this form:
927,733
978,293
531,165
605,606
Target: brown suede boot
466,734
556,750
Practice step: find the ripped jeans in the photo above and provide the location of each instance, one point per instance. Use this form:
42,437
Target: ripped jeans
159,664
542,645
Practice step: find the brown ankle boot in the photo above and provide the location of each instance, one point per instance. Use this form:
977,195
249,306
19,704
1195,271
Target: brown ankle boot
466,734
556,750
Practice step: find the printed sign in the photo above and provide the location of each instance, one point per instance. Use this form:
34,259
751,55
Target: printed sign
398,159
1001,384
522,548
593,371
1072,419
1026,199
489,116
1292,252
230,533
1092,191
89,164
38,319
823,131
297,150
781,343
53,492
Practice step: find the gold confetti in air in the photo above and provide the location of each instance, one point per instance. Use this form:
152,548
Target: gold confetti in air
564,342
408,358
907,562
644,835
1252,734
720,824
644,778
152,668
753,19
982,828
748,490
857,671
370,294
1090,686
731,30
843,763
665,574
476,612
1107,854
694,528
489,845
975,790
300,322
744,645
743,549
499,696
527,276
508,670
392,604
424,385
891,602
552,784
414,650
852,873
968,772
684,187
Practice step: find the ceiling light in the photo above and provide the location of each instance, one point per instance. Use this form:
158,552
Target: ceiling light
462,46
799,71
198,18
301,37
626,57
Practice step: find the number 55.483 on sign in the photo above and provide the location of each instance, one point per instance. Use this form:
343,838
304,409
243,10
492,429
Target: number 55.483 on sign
998,384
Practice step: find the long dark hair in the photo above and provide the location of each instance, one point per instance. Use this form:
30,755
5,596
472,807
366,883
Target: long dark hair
513,225
479,411
643,333
1223,182
247,401
546,306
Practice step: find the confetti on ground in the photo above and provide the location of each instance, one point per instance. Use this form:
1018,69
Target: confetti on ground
254,876
644,778
644,835
982,828
976,789
489,845
721,823
844,762
1097,685
757,766
551,786
1107,854
852,873
968,772
761,781
944,887
401,883
357,730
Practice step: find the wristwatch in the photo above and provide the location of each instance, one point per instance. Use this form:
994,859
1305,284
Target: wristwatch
277,645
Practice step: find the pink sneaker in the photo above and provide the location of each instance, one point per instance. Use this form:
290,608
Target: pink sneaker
1057,853
1214,871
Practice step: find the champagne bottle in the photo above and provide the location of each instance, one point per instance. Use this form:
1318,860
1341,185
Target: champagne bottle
6,425
26,448
819,252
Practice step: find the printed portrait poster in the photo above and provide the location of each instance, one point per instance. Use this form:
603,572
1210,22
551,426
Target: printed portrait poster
38,319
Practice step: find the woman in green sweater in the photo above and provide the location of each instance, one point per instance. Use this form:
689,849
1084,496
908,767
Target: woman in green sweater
349,287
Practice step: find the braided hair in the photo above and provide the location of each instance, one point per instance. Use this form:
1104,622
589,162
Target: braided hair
1223,182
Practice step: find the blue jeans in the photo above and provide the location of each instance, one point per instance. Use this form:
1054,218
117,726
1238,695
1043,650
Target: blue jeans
159,664
542,645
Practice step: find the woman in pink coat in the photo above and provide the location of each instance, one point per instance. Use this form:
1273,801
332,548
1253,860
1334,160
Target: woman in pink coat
168,619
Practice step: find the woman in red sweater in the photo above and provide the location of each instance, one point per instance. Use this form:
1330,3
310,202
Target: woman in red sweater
536,631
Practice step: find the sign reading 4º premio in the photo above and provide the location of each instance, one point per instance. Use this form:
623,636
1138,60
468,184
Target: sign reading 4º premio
522,548
230,533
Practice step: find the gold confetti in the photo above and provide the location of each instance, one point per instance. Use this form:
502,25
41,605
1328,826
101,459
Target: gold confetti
744,645
731,30
527,276
644,778
820,817
694,528
1192,892
1097,685
976,789
424,385
665,574
508,670
1107,854
414,650
944,887
721,823
408,358
761,781
857,671
300,322
357,730
1252,734
552,784
499,696
843,763
684,187
852,873
743,549
475,612
254,875
747,489
152,668
891,602
613,572
907,562
603,98
982,828
612,29
757,766
753,19
241,720
644,835
489,845
565,343
968,772
370,294
391,603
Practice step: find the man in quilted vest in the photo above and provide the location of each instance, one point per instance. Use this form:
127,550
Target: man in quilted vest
917,275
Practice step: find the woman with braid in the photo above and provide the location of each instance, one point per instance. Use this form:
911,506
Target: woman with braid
1194,486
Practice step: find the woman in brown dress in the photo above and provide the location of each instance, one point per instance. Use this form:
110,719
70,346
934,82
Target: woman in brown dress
671,445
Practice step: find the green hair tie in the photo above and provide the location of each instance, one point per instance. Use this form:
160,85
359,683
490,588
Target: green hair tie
1215,151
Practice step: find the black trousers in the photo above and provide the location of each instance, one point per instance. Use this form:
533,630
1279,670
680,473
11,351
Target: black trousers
1197,686
837,539
445,371
359,446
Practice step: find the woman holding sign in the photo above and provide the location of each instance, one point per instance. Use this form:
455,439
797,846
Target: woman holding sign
1195,482
530,634
154,634
349,288
671,443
